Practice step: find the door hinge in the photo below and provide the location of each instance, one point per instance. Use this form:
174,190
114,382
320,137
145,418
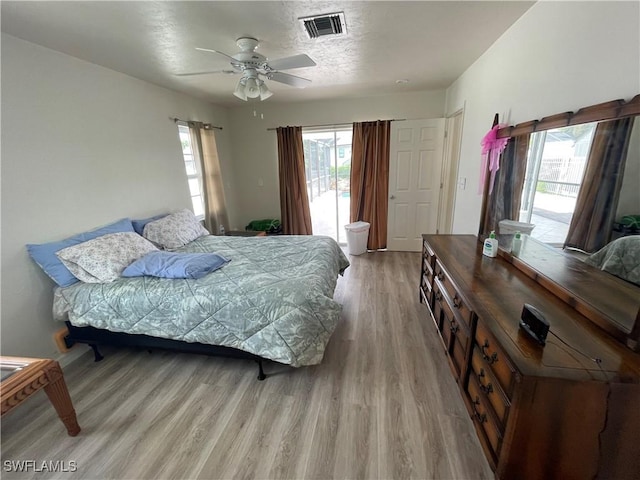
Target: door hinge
445,134
441,185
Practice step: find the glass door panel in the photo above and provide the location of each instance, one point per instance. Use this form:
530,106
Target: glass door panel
555,166
327,158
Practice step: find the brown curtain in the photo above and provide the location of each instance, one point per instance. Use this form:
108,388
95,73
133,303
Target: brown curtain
595,211
370,179
294,200
504,202
203,141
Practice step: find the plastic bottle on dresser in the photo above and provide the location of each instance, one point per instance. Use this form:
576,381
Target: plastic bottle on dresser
516,245
490,248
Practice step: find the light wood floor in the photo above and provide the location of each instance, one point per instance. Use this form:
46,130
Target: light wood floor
382,404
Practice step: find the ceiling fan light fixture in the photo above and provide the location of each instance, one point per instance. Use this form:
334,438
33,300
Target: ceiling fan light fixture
264,92
240,91
251,88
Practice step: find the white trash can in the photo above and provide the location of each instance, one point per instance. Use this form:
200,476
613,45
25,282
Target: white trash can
357,237
509,227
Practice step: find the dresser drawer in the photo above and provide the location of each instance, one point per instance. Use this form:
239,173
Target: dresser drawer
459,304
426,293
437,310
427,270
490,388
483,420
426,296
426,275
428,255
494,357
458,355
451,320
426,283
454,333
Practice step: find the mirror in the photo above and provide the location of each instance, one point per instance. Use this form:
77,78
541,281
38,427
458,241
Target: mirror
553,148
556,165
543,169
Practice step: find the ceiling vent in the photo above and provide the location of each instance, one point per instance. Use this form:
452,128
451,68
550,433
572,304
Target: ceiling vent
322,25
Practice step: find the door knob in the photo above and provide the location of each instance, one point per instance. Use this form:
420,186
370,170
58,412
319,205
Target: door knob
392,197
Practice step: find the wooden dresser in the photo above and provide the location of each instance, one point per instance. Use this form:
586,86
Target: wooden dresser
540,412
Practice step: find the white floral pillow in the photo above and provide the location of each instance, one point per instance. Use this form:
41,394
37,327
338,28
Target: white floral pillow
103,259
175,230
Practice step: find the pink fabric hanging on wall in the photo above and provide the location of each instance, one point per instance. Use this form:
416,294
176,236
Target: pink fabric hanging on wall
492,147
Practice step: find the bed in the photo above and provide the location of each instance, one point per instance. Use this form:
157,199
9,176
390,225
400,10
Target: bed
273,300
621,258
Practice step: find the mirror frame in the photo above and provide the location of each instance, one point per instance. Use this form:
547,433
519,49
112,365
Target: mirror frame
612,110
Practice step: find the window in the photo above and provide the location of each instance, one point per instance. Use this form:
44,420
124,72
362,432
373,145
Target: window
556,162
194,171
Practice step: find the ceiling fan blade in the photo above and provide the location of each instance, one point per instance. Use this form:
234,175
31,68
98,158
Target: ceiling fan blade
216,51
288,79
226,72
297,61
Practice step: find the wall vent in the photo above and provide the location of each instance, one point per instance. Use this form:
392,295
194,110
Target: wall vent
322,25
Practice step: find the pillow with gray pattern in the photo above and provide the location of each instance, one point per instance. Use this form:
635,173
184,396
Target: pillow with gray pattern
102,259
175,230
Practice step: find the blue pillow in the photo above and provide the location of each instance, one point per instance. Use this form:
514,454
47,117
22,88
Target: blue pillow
45,254
138,225
175,265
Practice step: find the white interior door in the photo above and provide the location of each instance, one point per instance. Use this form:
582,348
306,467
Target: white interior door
415,165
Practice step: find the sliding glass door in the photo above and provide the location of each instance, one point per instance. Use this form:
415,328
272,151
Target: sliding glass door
327,158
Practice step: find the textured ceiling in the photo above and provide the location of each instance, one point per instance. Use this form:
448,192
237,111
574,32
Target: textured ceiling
428,43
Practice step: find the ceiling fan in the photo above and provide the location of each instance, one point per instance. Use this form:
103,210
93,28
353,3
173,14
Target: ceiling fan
255,68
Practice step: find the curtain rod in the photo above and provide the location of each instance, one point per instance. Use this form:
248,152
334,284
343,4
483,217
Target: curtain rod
206,125
338,125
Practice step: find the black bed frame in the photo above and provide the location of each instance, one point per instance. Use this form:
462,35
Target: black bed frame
95,336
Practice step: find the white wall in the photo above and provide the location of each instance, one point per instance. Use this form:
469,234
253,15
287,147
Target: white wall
559,56
82,146
255,149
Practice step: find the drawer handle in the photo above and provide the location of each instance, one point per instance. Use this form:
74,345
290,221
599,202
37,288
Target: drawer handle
487,389
454,328
438,296
440,276
457,302
489,359
480,417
